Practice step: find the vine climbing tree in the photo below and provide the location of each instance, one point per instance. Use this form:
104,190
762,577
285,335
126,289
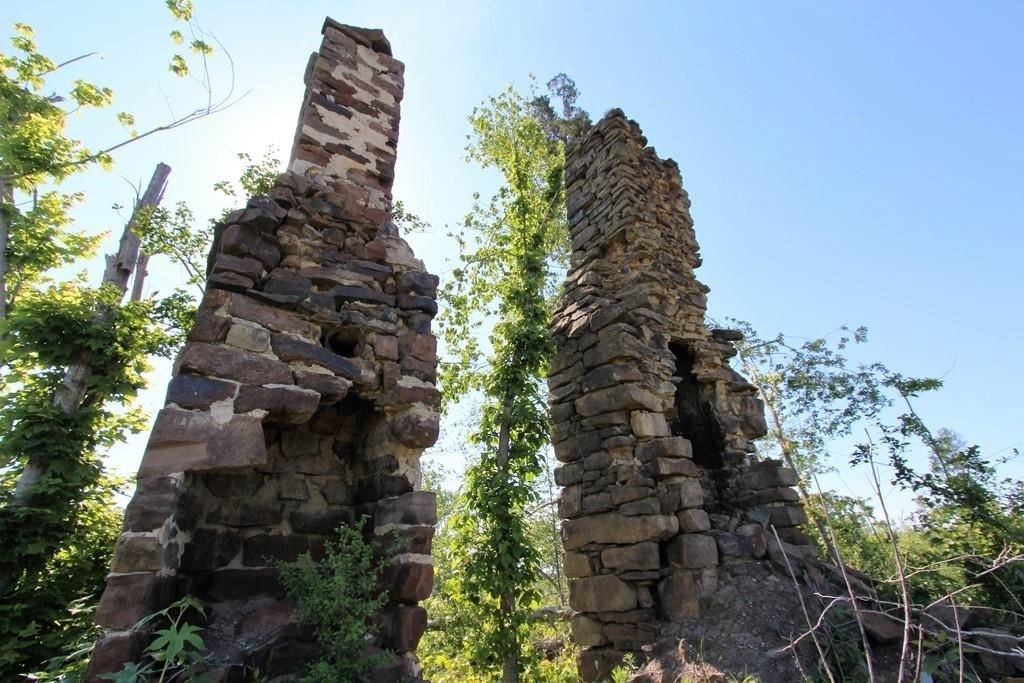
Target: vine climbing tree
508,270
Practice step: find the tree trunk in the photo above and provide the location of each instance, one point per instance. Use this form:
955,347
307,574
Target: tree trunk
6,206
121,265
70,394
510,667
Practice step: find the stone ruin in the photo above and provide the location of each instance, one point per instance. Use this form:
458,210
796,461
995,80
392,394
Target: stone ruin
302,400
661,487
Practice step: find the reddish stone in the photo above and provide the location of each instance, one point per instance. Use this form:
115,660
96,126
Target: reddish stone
183,441
417,282
288,405
196,391
409,582
110,654
242,241
141,554
209,327
289,348
249,267
331,389
402,626
155,500
231,363
129,597
247,308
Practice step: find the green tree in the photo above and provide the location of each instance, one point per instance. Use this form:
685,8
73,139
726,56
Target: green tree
504,281
72,355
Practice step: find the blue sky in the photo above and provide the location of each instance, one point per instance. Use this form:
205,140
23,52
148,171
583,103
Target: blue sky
854,163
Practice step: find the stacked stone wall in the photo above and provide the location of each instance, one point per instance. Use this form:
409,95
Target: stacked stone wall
660,484
302,400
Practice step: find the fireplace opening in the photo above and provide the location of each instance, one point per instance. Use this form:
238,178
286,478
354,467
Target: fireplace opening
693,418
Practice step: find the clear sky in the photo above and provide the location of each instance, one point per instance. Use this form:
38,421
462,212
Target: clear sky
853,163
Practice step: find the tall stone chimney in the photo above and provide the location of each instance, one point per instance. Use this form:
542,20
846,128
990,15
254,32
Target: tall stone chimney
661,488
302,400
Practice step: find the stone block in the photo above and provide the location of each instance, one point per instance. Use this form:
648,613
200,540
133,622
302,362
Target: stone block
569,474
263,550
646,506
415,507
228,362
290,349
196,391
615,529
285,404
648,425
639,556
768,474
692,551
618,398
604,593
241,241
595,664
409,582
610,375
402,626
331,389
248,337
630,636
183,441
232,484
679,597
210,549
141,554
110,653
155,500
587,632
693,520
247,308
299,444
292,487
576,565
670,447
129,597
675,467
247,512
787,515
323,521
417,426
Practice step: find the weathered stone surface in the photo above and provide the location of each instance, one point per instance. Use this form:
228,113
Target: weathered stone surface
155,501
607,593
330,388
196,391
230,363
417,426
586,631
617,529
402,627
248,337
409,582
678,596
138,554
576,565
210,549
692,551
284,404
416,507
183,441
289,348
128,598
631,557
625,397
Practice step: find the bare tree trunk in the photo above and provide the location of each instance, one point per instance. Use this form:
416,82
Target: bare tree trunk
70,394
121,265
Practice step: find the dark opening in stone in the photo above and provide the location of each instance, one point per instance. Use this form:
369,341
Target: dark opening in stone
693,419
344,341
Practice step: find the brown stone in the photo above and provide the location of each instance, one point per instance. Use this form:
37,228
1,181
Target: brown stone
155,500
230,363
110,653
596,664
403,626
195,391
246,512
138,554
692,551
619,529
210,549
129,597
182,441
209,327
331,389
587,632
576,565
289,348
678,596
417,426
285,405
409,582
415,507
604,593
247,308
693,520
631,557
625,397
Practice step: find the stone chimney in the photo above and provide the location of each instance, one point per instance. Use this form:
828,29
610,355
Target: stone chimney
302,400
661,487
